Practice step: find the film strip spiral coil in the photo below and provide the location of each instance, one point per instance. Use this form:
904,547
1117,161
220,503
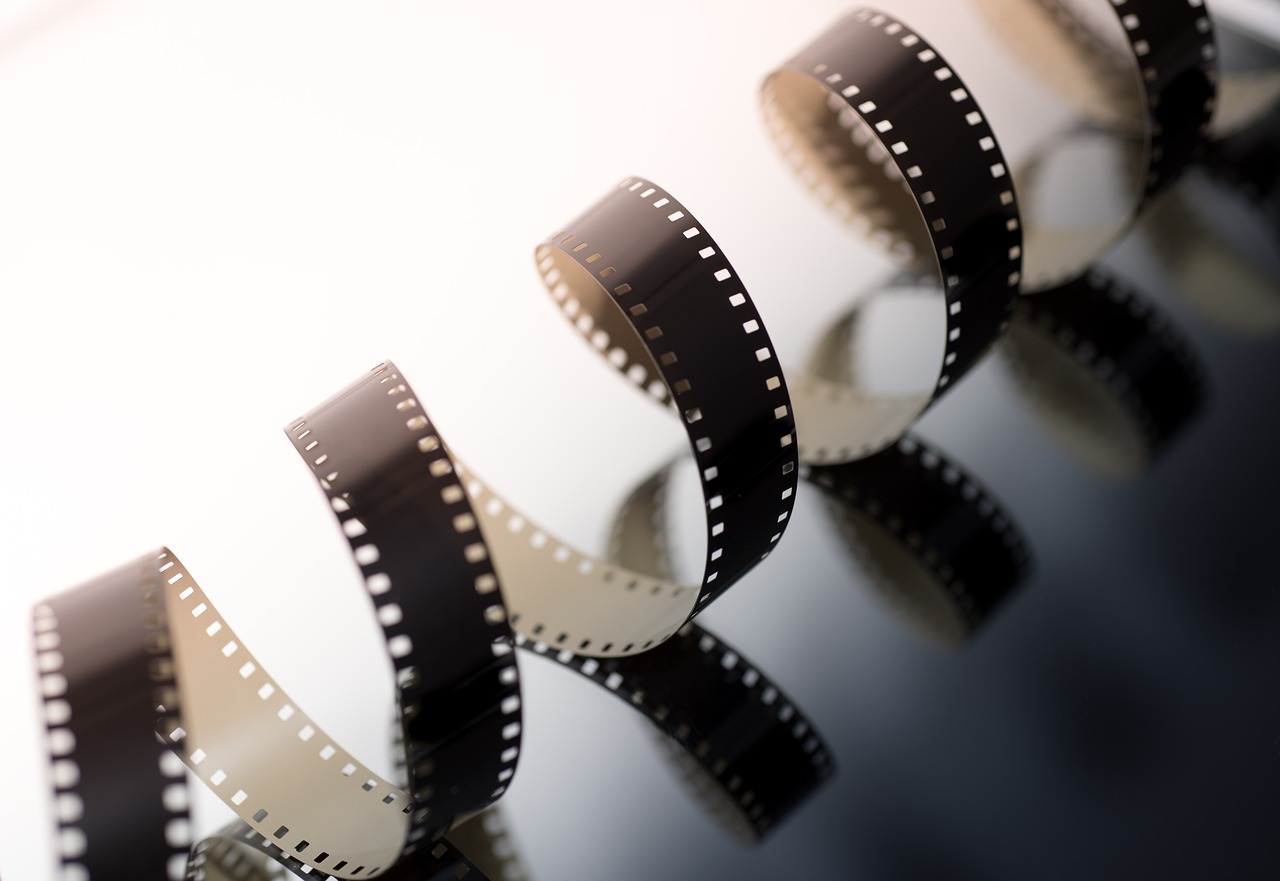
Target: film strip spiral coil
883,129
301,798
1106,370
1146,72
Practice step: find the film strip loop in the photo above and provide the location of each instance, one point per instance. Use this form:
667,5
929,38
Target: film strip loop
1146,70
651,291
937,546
1108,373
302,800
395,492
882,128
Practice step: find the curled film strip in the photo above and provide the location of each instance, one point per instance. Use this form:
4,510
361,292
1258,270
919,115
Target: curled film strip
939,188
315,809
868,105
644,282
1105,370
146,641
884,131
1145,71
935,544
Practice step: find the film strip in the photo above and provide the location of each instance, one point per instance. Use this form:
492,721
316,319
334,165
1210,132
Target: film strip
884,131
883,127
1145,70
936,545
1106,371
868,105
651,291
302,800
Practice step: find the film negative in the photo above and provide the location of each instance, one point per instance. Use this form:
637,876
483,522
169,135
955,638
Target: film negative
1146,73
872,106
651,291
1106,371
142,654
940,550
884,131
142,678
747,752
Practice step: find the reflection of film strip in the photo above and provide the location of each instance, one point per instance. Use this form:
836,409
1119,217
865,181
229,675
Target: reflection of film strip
751,753
1226,262
939,548
884,130
1230,271
300,797
934,542
1106,370
1146,70
1249,80
1247,162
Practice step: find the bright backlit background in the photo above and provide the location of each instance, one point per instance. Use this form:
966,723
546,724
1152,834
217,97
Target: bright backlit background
214,215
